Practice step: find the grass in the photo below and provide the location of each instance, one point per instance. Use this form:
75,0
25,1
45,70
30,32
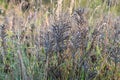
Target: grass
59,40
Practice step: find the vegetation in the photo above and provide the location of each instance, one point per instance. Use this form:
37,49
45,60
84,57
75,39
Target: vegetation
59,39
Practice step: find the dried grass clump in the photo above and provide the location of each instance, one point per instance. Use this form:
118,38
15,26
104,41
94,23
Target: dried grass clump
85,45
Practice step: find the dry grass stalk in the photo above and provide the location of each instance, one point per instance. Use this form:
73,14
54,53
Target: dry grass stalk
22,66
59,8
71,6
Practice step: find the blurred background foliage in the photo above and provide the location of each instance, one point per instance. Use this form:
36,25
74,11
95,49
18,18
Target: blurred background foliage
51,5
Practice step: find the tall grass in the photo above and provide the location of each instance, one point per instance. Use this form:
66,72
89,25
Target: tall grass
59,40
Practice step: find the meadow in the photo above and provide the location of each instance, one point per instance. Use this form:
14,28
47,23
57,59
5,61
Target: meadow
59,40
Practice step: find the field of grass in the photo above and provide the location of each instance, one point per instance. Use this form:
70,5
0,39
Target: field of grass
59,40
